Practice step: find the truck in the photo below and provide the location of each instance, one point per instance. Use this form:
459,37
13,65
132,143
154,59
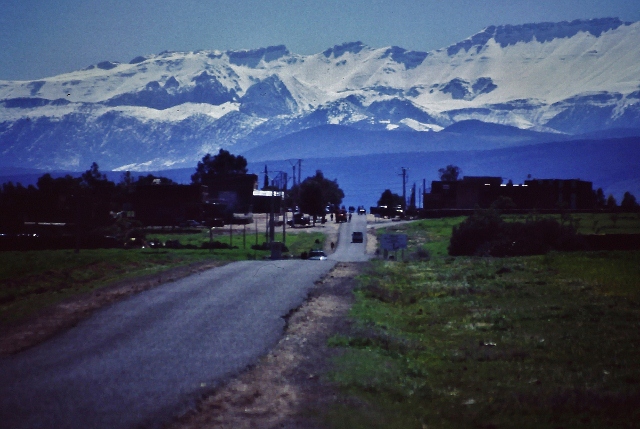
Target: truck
341,216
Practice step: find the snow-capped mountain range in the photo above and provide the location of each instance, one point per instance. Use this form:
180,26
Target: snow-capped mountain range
544,81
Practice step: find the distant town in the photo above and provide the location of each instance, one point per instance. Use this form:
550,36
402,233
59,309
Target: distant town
91,211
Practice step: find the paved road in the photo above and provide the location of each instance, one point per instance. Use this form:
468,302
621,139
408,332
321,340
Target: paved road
141,361
346,250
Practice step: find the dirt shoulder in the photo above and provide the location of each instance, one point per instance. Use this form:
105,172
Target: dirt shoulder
286,388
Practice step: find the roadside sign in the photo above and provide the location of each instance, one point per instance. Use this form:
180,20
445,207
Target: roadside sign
393,242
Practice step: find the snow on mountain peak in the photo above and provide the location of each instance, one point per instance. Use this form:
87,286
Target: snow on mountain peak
567,77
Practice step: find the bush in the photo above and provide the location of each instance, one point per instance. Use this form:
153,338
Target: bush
485,234
216,245
267,246
477,231
421,254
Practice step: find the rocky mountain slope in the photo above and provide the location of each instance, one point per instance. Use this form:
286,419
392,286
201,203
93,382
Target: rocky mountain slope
543,82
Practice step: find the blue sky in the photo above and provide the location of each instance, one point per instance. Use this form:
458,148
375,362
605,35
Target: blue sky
41,38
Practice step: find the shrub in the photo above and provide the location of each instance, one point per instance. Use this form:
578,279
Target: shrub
267,246
474,234
485,234
216,245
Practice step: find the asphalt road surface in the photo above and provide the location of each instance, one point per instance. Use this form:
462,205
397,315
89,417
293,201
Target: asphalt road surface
346,250
142,361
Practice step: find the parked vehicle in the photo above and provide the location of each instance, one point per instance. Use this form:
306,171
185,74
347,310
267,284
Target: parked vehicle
299,219
357,237
388,212
341,216
317,255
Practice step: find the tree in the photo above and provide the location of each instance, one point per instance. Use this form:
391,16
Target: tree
316,192
311,199
390,199
55,197
503,203
629,202
16,201
126,180
601,200
412,198
150,179
611,201
450,173
222,163
98,199
93,178
485,233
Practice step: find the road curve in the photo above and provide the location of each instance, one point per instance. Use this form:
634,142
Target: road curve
141,361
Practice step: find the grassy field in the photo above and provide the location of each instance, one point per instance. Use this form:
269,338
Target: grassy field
32,280
243,239
597,223
546,341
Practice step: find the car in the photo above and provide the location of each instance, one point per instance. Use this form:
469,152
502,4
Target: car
357,237
317,255
341,216
299,219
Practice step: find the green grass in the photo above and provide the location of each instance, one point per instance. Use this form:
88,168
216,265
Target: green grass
303,241
596,223
33,280
432,235
532,342
297,242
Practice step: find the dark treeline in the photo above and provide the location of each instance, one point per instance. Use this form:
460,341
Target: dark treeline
90,202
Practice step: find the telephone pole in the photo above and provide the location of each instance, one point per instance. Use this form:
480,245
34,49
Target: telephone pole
404,188
298,164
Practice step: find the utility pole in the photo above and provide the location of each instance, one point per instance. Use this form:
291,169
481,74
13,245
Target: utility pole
293,184
271,218
404,188
283,209
266,177
297,164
